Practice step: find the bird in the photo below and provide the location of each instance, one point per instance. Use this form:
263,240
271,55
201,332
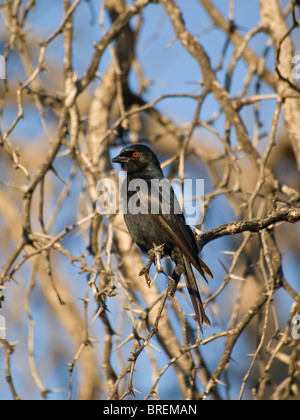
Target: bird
154,224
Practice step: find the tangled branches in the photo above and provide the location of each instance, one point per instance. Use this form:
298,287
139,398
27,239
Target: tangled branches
78,315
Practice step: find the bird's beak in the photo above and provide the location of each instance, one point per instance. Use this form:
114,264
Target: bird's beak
119,159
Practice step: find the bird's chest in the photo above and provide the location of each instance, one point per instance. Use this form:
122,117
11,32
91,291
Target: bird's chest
142,200
145,231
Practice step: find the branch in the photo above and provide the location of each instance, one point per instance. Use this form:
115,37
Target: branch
101,45
211,83
9,350
250,57
291,215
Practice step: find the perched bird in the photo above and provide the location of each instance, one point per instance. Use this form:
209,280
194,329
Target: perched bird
157,222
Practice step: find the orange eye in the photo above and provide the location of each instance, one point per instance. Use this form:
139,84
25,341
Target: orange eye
135,154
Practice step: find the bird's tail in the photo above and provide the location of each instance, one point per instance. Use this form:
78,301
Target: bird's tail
195,295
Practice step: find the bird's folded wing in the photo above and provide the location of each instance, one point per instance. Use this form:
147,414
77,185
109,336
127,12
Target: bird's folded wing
165,210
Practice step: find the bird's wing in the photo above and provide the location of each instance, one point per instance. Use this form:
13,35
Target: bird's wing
177,233
167,214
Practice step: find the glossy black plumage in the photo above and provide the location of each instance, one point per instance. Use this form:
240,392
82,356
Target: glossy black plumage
162,226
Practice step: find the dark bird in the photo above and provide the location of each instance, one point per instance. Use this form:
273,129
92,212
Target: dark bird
157,219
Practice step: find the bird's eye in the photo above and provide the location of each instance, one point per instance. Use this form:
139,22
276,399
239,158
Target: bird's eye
135,154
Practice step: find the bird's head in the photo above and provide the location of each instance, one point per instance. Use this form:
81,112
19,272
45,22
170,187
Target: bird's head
137,158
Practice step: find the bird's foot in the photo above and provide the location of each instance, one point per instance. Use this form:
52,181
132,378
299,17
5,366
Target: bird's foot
155,254
158,253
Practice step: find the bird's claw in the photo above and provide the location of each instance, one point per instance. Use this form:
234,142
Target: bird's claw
155,254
